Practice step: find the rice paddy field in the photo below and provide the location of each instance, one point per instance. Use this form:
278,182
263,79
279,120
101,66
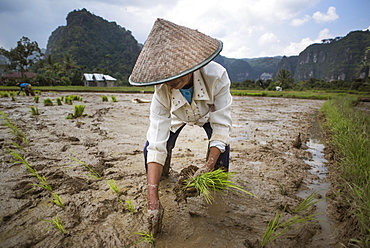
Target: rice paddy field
81,182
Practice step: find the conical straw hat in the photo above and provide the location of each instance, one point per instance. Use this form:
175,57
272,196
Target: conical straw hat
172,51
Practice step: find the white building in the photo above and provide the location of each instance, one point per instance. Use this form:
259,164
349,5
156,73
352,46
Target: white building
98,80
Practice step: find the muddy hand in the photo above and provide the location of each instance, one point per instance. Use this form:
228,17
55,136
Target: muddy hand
202,170
155,220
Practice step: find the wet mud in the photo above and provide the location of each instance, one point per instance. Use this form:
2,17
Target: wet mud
110,138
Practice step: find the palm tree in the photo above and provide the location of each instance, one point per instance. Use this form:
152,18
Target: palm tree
285,79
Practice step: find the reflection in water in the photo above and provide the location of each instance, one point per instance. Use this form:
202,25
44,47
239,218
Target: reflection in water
320,185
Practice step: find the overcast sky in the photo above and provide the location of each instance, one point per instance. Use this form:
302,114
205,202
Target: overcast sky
248,28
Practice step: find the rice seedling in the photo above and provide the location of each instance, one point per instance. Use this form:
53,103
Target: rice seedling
59,101
129,206
4,94
276,227
68,100
113,186
48,102
144,236
43,183
38,92
57,224
36,99
93,174
114,99
14,129
34,110
78,110
75,97
208,183
13,99
57,200
308,202
104,98
20,159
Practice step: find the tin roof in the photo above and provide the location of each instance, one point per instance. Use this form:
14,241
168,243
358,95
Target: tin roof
98,77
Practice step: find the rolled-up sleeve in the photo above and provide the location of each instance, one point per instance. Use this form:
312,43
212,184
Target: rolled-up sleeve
159,129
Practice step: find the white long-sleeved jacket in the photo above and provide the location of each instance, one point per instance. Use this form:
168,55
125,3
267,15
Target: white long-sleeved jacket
169,110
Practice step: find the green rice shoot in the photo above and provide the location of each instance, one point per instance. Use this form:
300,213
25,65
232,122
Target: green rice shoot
78,110
94,174
13,128
59,101
114,186
57,224
276,227
57,200
208,183
20,159
104,98
34,110
129,206
48,102
114,99
145,236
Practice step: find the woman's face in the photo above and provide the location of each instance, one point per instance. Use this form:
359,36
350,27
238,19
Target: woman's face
179,83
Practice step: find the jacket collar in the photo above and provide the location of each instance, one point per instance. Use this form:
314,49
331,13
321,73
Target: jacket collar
200,92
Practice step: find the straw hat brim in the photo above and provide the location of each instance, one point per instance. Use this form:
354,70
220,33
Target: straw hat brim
172,51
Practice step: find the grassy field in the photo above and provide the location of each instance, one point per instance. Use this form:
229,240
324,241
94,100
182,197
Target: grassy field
350,135
321,95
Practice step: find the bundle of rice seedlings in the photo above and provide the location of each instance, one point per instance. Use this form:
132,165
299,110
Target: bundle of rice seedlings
48,102
13,99
4,94
208,183
114,99
104,98
36,99
34,110
78,110
68,100
59,101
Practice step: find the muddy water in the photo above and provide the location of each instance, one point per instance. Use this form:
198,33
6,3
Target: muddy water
110,140
319,186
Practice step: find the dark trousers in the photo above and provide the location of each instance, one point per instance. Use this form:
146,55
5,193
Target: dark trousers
222,161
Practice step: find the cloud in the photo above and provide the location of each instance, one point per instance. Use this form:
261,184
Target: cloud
331,15
299,22
295,48
268,38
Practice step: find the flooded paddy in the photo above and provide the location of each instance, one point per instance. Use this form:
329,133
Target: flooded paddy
110,139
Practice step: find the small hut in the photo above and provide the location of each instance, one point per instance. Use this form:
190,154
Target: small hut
98,80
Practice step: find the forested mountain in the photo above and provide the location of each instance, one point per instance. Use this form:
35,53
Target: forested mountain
95,43
344,58
105,46
238,69
252,69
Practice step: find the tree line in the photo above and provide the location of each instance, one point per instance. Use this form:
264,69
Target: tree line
28,57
